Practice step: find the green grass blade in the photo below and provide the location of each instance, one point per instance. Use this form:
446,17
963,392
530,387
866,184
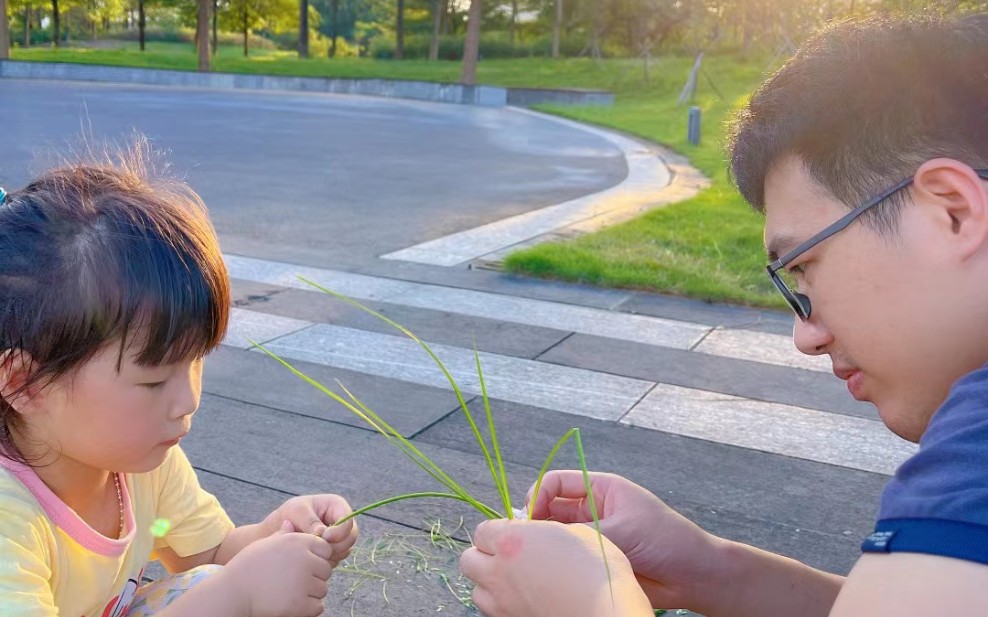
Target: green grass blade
436,472
545,466
593,509
449,377
393,436
384,502
575,432
495,445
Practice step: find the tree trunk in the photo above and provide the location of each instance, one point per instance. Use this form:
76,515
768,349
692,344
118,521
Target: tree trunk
514,21
471,46
202,34
27,27
437,21
303,29
4,31
336,22
246,31
56,31
216,38
556,26
400,32
141,22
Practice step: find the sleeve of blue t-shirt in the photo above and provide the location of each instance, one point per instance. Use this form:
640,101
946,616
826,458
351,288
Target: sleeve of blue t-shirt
937,503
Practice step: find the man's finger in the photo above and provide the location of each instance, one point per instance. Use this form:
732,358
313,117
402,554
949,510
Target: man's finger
475,564
569,510
568,484
487,535
485,601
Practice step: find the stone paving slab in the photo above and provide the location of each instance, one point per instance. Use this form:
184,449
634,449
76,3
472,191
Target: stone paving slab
499,283
514,379
779,384
723,315
854,443
761,347
653,330
250,377
744,487
301,455
248,327
518,340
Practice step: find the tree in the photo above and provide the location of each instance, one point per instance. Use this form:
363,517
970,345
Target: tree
202,34
400,31
303,29
141,22
56,30
471,46
4,31
437,24
216,16
557,24
245,16
335,21
27,25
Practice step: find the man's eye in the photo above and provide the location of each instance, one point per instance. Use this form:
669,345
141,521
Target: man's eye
791,275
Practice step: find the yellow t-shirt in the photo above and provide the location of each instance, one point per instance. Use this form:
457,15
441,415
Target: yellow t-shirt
53,564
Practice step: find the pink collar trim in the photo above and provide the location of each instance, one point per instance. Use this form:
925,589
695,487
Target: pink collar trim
67,519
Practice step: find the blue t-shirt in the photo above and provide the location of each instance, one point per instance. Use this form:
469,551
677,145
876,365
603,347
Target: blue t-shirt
937,503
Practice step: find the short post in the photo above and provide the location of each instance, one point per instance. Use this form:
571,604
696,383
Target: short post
693,128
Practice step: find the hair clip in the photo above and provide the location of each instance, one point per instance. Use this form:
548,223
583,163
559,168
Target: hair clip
3,195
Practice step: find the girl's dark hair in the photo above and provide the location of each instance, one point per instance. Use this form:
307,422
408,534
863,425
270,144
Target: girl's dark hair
100,254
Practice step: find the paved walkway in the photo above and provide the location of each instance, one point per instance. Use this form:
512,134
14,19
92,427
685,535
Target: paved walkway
710,407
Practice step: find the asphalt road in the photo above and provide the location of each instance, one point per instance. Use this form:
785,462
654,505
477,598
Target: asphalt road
338,179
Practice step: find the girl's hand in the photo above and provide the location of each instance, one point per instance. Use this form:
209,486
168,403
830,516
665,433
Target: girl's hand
316,515
283,575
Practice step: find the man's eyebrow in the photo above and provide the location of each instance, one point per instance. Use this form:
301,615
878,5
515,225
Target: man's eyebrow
780,245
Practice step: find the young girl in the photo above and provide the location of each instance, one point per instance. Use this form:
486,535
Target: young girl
112,290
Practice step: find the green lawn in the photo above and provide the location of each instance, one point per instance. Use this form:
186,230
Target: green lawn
708,247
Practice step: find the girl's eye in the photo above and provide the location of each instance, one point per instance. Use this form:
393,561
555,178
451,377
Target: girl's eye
154,385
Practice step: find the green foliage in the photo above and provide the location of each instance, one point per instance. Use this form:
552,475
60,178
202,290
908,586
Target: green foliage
252,15
492,45
187,35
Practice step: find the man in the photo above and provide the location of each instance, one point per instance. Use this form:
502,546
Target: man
868,155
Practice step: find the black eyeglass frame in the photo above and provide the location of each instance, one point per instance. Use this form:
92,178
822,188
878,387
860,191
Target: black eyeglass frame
800,303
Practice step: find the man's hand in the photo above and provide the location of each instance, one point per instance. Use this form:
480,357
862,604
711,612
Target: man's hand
543,569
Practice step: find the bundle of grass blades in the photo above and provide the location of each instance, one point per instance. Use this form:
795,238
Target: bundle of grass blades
491,452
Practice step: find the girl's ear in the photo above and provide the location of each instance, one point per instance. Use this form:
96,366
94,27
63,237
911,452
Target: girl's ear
15,369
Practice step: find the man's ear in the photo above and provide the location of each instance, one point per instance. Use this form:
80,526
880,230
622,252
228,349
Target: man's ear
15,369
956,197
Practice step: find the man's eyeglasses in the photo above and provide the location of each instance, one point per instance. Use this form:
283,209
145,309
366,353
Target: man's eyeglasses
800,303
